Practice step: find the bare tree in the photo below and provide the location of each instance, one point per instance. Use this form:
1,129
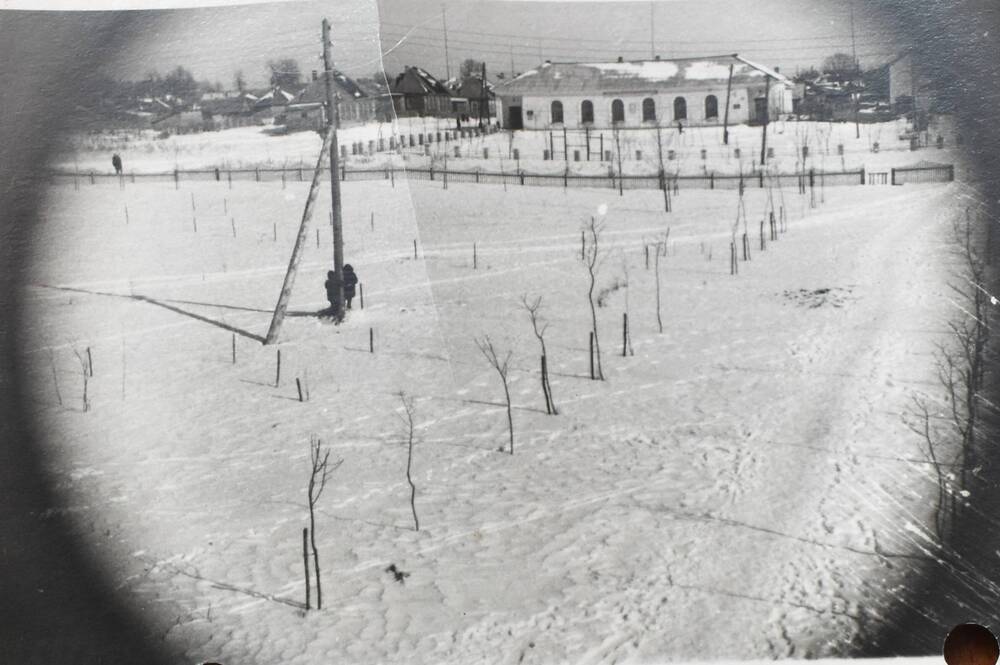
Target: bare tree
592,260
533,308
663,173
628,314
409,411
661,250
319,474
502,368
943,509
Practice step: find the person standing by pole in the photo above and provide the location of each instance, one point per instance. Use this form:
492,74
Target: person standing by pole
333,121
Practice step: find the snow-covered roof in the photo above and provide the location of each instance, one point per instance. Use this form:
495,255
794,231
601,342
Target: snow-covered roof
315,92
416,80
641,75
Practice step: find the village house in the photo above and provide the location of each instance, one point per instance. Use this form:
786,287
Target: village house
356,104
416,93
235,110
272,103
644,93
471,95
908,88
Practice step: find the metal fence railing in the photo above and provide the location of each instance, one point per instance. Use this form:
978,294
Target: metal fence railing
611,180
918,174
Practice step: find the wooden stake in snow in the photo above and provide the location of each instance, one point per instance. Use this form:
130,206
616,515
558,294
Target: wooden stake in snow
414,249
90,362
194,223
475,257
373,220
274,228
592,376
305,563
298,386
277,371
624,334
234,348
762,245
232,221
371,340
361,294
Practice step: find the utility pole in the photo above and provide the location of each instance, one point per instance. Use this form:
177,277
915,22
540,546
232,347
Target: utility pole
767,117
301,240
333,122
447,62
484,101
725,121
652,32
857,75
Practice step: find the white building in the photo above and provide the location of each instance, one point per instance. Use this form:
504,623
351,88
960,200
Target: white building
644,93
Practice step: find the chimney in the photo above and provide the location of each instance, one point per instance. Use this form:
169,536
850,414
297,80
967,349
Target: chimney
777,69
315,75
620,59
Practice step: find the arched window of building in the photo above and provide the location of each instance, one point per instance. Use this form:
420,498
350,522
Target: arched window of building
557,112
680,108
587,112
617,111
711,107
648,109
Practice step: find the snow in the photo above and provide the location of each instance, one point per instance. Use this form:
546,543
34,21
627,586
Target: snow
704,70
650,70
741,466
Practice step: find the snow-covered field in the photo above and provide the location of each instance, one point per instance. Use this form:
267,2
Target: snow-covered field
251,147
743,486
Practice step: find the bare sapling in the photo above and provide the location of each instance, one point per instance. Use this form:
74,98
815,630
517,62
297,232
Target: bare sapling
533,308
943,508
318,475
627,333
86,372
55,375
656,273
409,412
502,367
592,261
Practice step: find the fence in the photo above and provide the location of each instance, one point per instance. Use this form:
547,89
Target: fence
514,178
917,174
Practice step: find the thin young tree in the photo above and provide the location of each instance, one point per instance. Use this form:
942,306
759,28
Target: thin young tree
592,259
85,371
661,250
502,367
408,418
662,172
318,475
533,308
628,314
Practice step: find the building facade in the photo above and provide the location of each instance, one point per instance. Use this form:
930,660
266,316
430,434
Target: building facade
415,92
644,93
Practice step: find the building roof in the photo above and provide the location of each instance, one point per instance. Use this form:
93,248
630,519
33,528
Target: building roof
417,81
315,92
471,87
275,97
640,75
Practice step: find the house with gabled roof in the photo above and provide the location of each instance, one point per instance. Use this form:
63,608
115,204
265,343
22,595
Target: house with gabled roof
356,104
415,92
644,93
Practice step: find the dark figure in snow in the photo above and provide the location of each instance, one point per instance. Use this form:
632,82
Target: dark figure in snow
116,161
350,281
680,127
331,290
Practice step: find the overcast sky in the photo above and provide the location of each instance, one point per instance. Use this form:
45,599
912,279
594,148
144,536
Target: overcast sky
216,42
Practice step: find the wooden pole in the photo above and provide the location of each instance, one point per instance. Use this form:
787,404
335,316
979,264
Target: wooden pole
333,121
361,294
624,334
305,562
592,355
371,340
293,264
298,385
767,112
475,257
725,122
234,348
277,371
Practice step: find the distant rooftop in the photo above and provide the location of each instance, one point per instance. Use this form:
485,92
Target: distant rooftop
639,75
